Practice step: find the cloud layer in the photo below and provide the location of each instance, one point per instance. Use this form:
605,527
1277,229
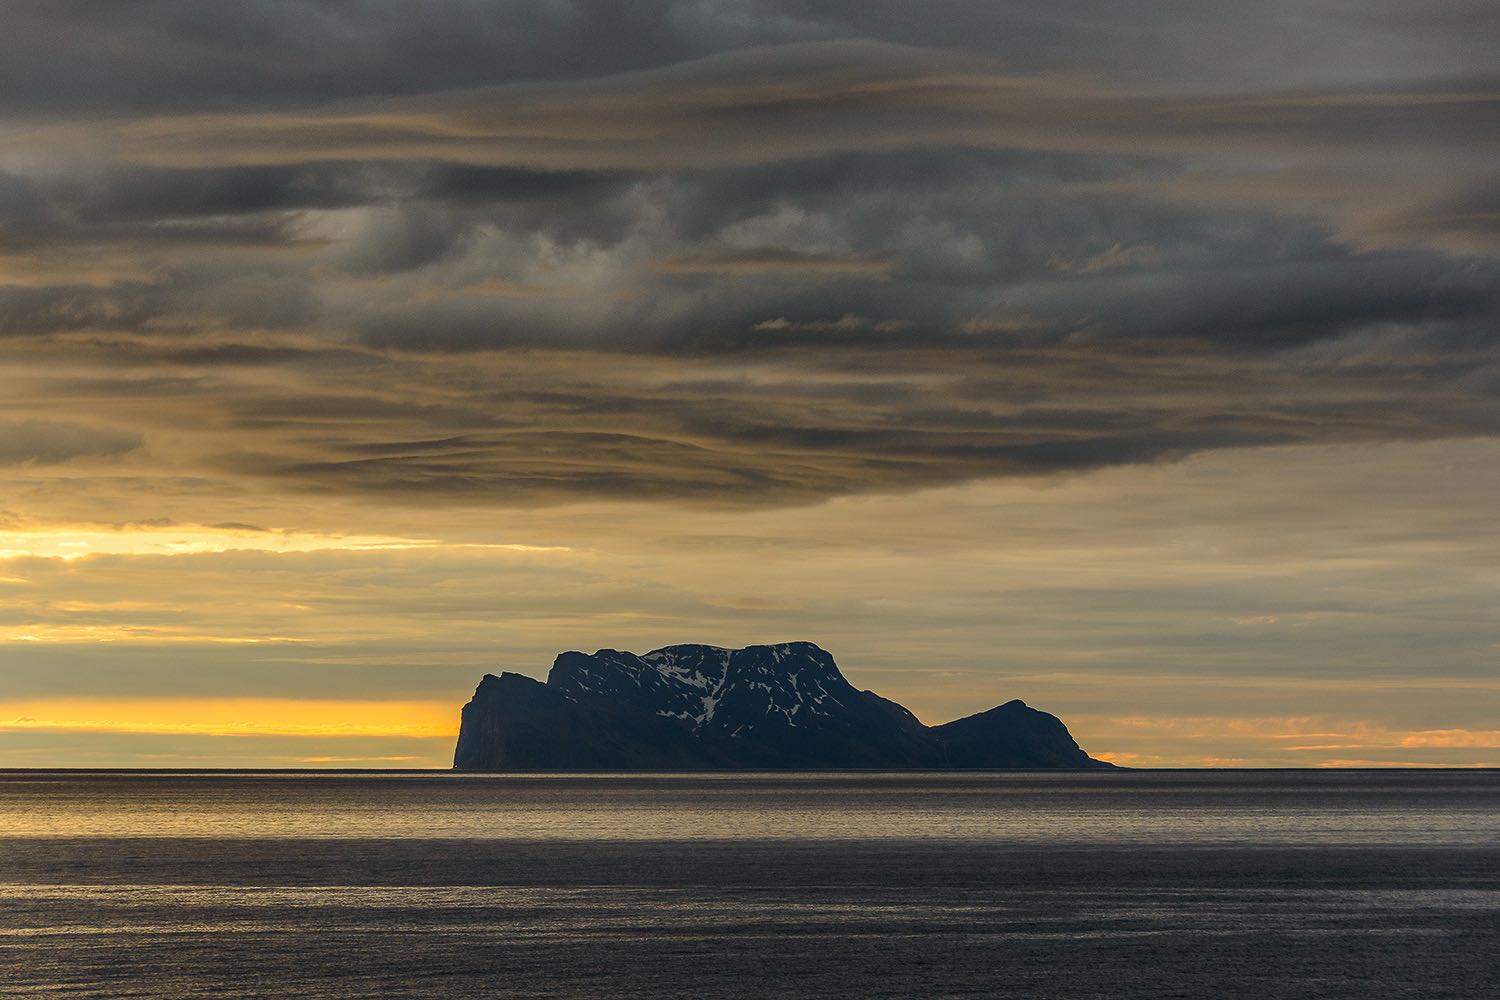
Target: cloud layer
769,252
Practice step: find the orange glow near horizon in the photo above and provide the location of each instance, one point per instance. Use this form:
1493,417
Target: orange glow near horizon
232,716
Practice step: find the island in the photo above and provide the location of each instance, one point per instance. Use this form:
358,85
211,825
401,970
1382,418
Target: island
697,707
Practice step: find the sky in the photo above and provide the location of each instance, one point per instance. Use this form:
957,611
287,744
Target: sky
1141,361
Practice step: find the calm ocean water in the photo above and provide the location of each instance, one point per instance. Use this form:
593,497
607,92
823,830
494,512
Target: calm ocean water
1031,885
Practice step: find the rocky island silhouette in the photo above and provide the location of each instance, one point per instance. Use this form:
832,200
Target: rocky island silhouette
696,707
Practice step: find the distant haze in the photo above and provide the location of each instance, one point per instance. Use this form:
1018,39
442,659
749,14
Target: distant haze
1138,361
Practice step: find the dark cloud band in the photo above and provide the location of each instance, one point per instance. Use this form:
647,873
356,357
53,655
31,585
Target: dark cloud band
754,253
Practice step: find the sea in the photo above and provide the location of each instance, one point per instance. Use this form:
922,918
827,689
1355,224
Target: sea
1041,884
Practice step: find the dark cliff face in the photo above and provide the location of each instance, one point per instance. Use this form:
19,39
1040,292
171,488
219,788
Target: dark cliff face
686,707
516,723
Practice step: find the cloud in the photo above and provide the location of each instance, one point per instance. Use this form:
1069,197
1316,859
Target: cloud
48,443
847,323
782,264
1109,259
42,540
807,409
802,100
276,54
1461,738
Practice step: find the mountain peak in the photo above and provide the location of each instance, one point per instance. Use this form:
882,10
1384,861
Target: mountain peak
733,690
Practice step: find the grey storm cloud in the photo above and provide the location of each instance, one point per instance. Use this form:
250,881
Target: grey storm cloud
62,57
741,252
